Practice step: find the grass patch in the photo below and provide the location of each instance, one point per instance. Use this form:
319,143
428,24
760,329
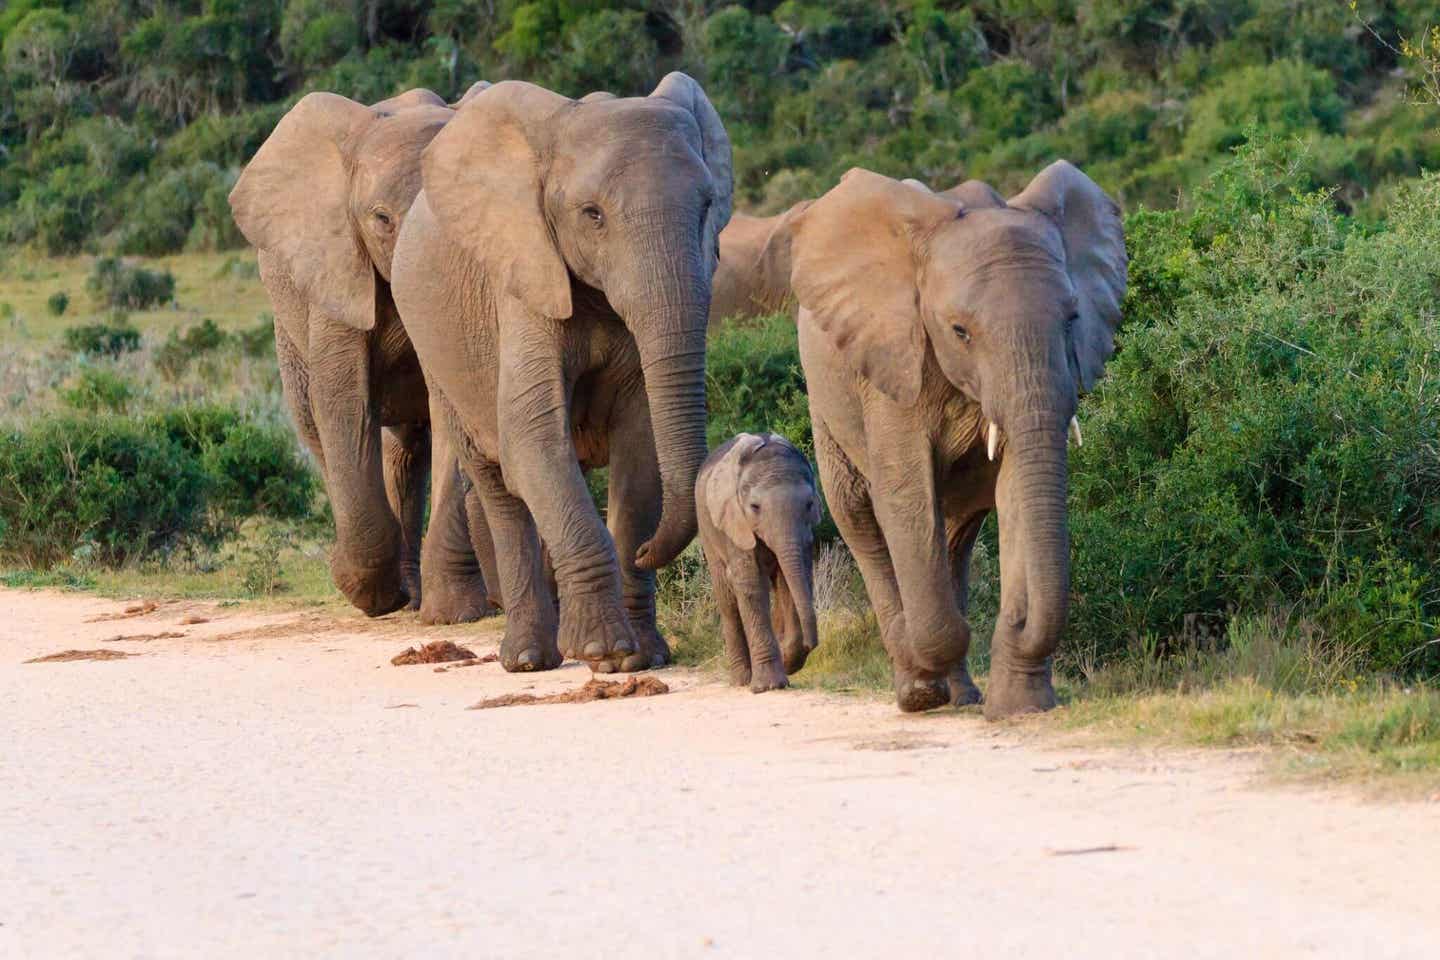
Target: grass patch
222,286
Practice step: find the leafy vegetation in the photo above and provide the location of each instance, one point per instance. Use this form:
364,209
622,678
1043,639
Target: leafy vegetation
125,124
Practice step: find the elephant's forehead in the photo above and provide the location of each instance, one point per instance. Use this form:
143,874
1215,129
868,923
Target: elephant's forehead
999,233
634,123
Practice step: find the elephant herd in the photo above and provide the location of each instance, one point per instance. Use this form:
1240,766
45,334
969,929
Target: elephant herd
502,294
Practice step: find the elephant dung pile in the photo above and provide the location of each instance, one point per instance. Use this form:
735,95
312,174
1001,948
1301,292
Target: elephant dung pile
436,651
642,686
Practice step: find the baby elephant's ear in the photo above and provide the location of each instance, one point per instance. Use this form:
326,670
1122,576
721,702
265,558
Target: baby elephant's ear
722,491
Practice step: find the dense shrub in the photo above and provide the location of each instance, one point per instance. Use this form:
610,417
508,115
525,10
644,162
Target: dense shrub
98,390
117,283
105,481
257,471
179,349
754,382
131,487
257,340
57,303
1266,433
111,338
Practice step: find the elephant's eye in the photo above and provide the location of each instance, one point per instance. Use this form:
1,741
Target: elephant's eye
961,332
381,217
754,508
594,213
1070,322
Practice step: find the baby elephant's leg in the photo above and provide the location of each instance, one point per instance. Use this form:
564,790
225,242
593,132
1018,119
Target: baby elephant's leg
752,595
737,653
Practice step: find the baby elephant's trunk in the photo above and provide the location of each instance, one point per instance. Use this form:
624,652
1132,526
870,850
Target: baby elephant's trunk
797,566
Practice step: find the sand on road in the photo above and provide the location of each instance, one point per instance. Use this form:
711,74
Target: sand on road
268,785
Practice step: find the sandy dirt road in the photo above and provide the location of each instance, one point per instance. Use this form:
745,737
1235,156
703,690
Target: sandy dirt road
270,786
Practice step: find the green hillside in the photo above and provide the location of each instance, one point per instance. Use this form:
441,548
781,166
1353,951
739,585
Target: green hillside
123,122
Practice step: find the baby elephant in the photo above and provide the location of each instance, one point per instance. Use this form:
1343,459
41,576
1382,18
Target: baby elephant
757,507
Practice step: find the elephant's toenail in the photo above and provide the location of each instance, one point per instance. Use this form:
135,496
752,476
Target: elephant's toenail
594,650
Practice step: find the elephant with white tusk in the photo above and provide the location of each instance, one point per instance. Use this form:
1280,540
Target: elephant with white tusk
946,339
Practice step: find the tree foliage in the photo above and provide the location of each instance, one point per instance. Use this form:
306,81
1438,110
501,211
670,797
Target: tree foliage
121,124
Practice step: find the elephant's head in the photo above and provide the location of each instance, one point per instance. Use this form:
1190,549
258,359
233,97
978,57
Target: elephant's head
624,196
327,192
762,489
1017,303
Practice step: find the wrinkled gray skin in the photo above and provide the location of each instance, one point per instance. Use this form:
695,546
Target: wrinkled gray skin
924,320
554,276
323,200
758,508
747,284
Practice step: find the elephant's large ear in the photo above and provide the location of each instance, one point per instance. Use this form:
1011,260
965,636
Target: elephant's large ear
681,89
419,97
482,178
476,88
722,491
773,263
293,200
1094,239
853,268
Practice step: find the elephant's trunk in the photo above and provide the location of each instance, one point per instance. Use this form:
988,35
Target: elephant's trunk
672,355
796,566
1038,456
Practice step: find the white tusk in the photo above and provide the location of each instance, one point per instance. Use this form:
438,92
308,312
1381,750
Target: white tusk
992,440
1075,431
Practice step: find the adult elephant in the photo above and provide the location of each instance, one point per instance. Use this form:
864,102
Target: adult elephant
554,275
945,340
747,284
322,201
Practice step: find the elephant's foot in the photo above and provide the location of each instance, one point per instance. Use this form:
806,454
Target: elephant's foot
1013,691
598,633
740,674
411,584
528,650
916,692
963,692
375,591
461,599
768,676
654,652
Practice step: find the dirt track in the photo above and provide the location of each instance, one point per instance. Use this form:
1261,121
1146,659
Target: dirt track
270,786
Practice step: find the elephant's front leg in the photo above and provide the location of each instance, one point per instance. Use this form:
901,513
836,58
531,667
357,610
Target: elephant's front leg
456,589
903,486
406,455
537,457
634,512
530,617
366,561
751,587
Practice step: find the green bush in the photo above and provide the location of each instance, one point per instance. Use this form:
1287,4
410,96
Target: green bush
103,481
98,390
257,471
57,303
116,283
754,382
258,340
174,356
111,338
1266,433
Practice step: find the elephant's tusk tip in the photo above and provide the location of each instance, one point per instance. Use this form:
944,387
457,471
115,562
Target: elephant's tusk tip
992,441
1075,431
